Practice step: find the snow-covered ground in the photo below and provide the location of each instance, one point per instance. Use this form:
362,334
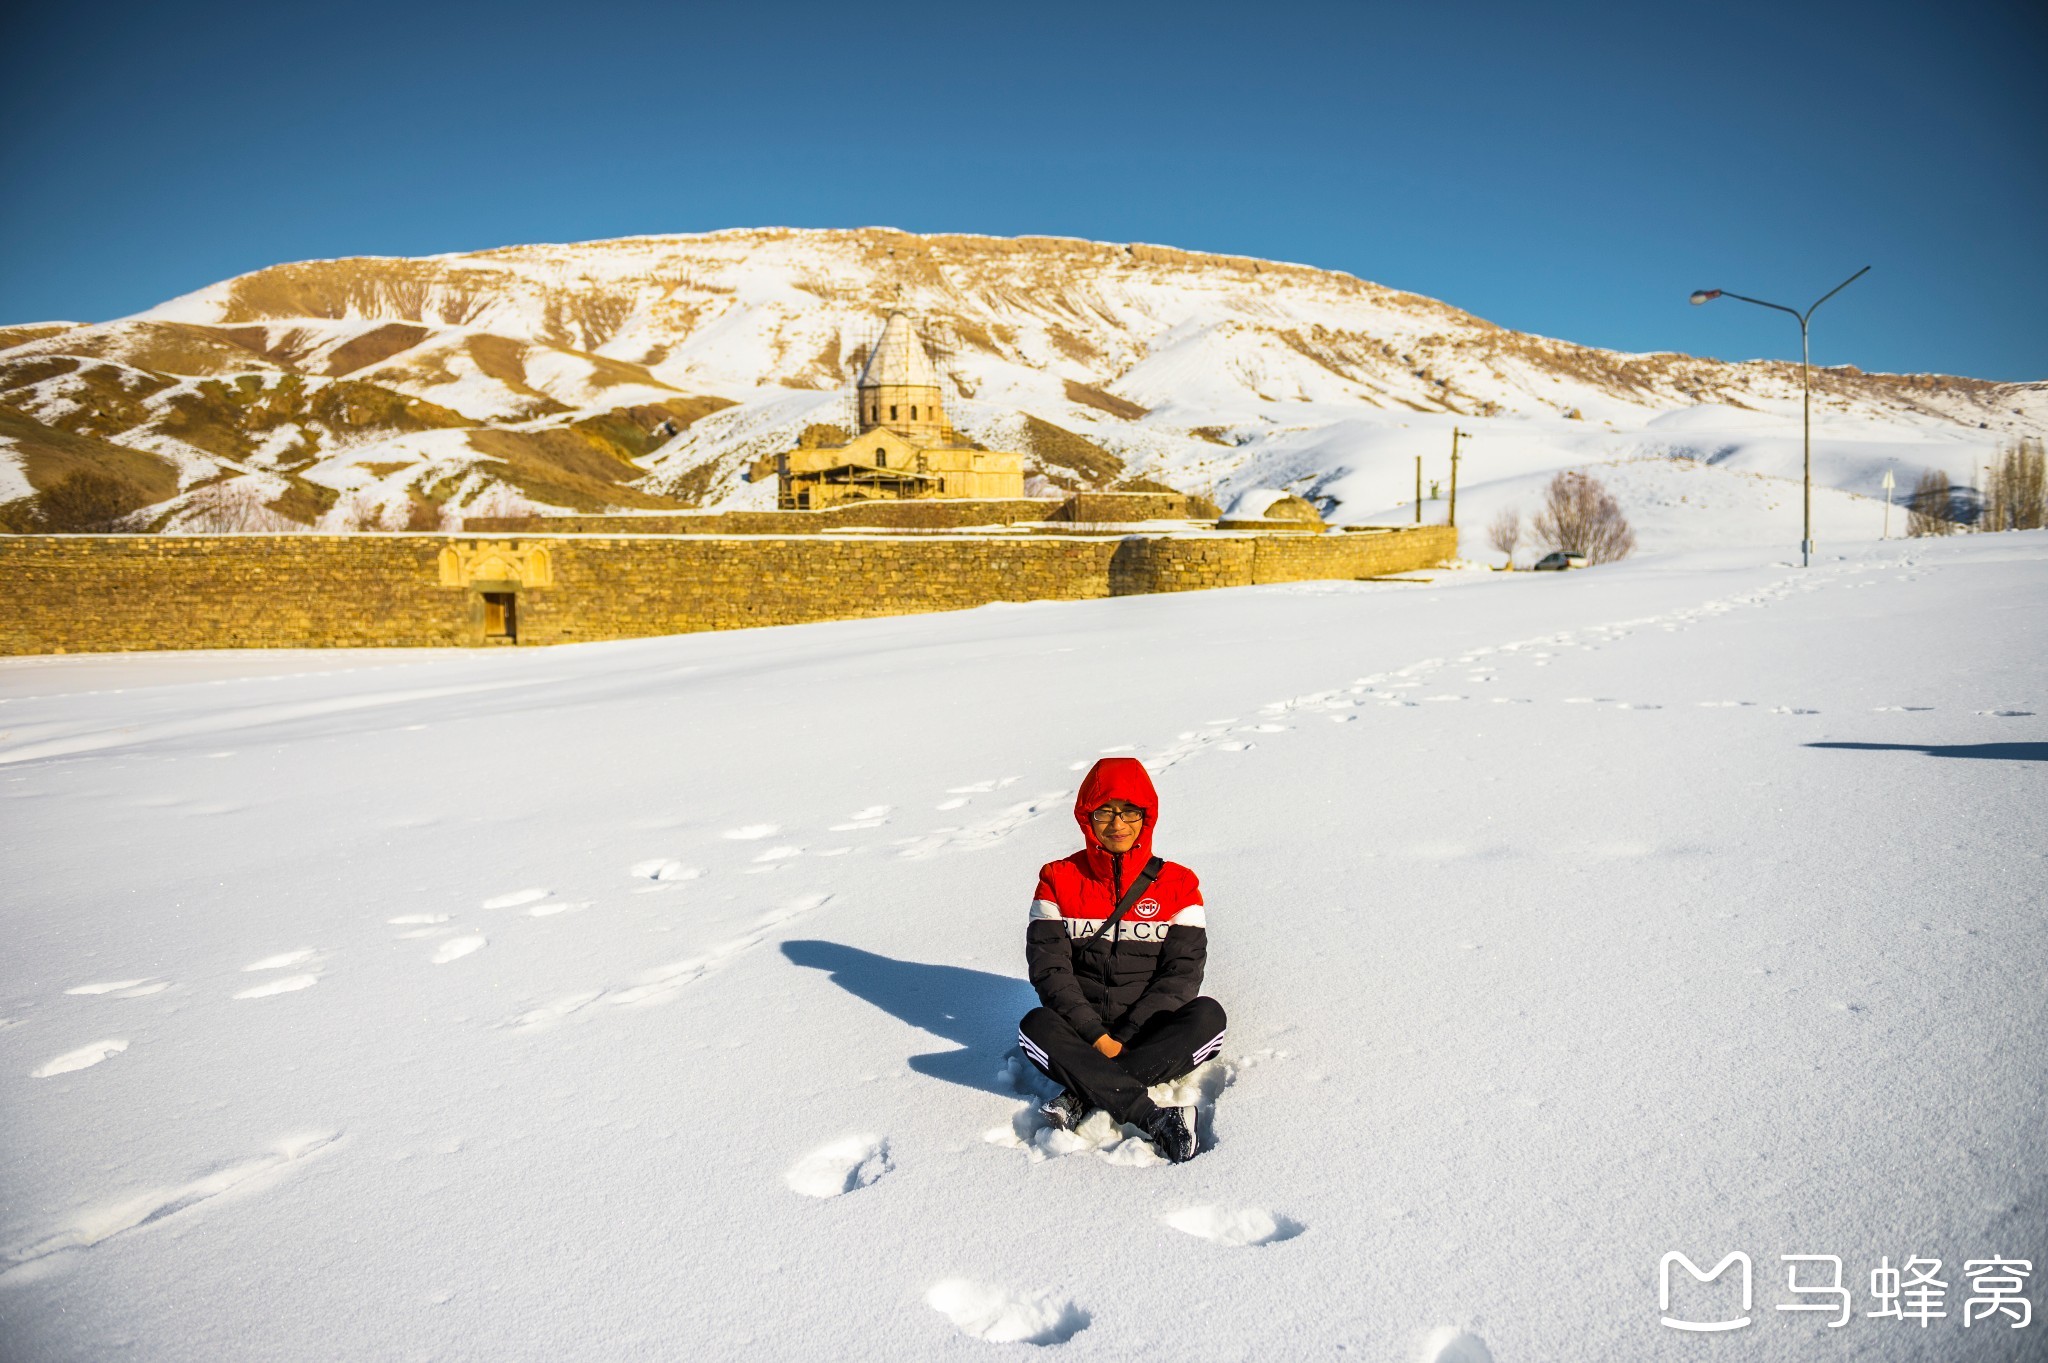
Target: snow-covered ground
655,999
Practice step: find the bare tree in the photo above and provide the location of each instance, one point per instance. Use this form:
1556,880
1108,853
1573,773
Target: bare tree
1580,516
1932,508
86,501
1506,532
2016,493
233,506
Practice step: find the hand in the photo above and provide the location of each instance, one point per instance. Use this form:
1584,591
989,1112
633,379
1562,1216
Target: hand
1109,1045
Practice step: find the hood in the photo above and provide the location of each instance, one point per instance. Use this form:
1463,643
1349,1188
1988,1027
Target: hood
1117,778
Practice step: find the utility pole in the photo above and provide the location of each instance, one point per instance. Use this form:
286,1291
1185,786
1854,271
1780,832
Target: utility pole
1418,489
1889,484
1455,433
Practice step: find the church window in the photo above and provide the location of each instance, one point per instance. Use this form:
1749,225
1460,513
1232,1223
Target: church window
892,412
913,413
881,459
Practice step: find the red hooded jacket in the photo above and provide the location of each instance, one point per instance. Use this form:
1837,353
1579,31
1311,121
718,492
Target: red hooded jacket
1152,963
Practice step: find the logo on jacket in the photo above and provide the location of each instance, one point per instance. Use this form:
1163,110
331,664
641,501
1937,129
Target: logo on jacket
1148,907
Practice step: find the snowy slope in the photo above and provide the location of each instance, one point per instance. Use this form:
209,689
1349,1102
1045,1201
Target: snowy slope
523,1004
1212,373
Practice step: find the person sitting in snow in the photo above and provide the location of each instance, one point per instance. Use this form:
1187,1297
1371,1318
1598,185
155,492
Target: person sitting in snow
1115,949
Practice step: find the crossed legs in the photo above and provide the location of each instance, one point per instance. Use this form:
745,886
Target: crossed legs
1165,1048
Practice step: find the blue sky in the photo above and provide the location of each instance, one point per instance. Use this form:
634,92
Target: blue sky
1573,170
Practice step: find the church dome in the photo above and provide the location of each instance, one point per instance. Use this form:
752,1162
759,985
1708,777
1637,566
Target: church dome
899,359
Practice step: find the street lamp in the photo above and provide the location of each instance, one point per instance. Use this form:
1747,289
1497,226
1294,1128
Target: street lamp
1805,387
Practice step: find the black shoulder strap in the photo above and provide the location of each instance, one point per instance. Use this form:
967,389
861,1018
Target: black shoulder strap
1123,906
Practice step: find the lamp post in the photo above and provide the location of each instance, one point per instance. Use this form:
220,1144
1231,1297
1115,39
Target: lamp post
1805,389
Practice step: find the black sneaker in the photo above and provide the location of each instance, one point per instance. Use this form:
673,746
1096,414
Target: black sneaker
1173,1133
1064,1112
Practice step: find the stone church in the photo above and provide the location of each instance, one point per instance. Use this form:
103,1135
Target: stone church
905,447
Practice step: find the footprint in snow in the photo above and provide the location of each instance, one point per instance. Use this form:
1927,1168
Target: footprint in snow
124,989
287,985
661,868
846,1165
1234,1226
152,1206
802,904
1002,1315
1452,1345
281,961
780,854
874,816
749,832
83,1058
945,805
455,948
518,899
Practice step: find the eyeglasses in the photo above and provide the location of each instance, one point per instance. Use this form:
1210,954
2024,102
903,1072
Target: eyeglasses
1108,815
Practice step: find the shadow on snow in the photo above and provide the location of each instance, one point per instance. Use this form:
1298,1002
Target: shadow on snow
2006,752
973,1008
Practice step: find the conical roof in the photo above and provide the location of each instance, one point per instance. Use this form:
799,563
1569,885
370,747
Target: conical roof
899,357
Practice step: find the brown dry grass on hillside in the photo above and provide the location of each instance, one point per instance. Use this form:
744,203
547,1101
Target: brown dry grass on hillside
228,419
563,466
606,372
693,485
374,347
828,368
304,502
429,291
11,337
585,321
504,359
160,347
1087,396
50,457
1066,459
636,432
104,399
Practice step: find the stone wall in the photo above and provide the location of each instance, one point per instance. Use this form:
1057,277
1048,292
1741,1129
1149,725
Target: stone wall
909,514
1122,508
109,593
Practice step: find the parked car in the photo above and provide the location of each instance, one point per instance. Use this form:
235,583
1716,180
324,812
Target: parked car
1559,561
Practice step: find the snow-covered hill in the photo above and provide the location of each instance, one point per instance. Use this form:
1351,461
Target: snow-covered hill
652,1000
1211,373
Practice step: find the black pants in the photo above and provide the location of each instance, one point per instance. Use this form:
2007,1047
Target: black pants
1165,1048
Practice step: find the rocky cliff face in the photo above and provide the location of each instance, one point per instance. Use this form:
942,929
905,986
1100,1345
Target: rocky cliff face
651,372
